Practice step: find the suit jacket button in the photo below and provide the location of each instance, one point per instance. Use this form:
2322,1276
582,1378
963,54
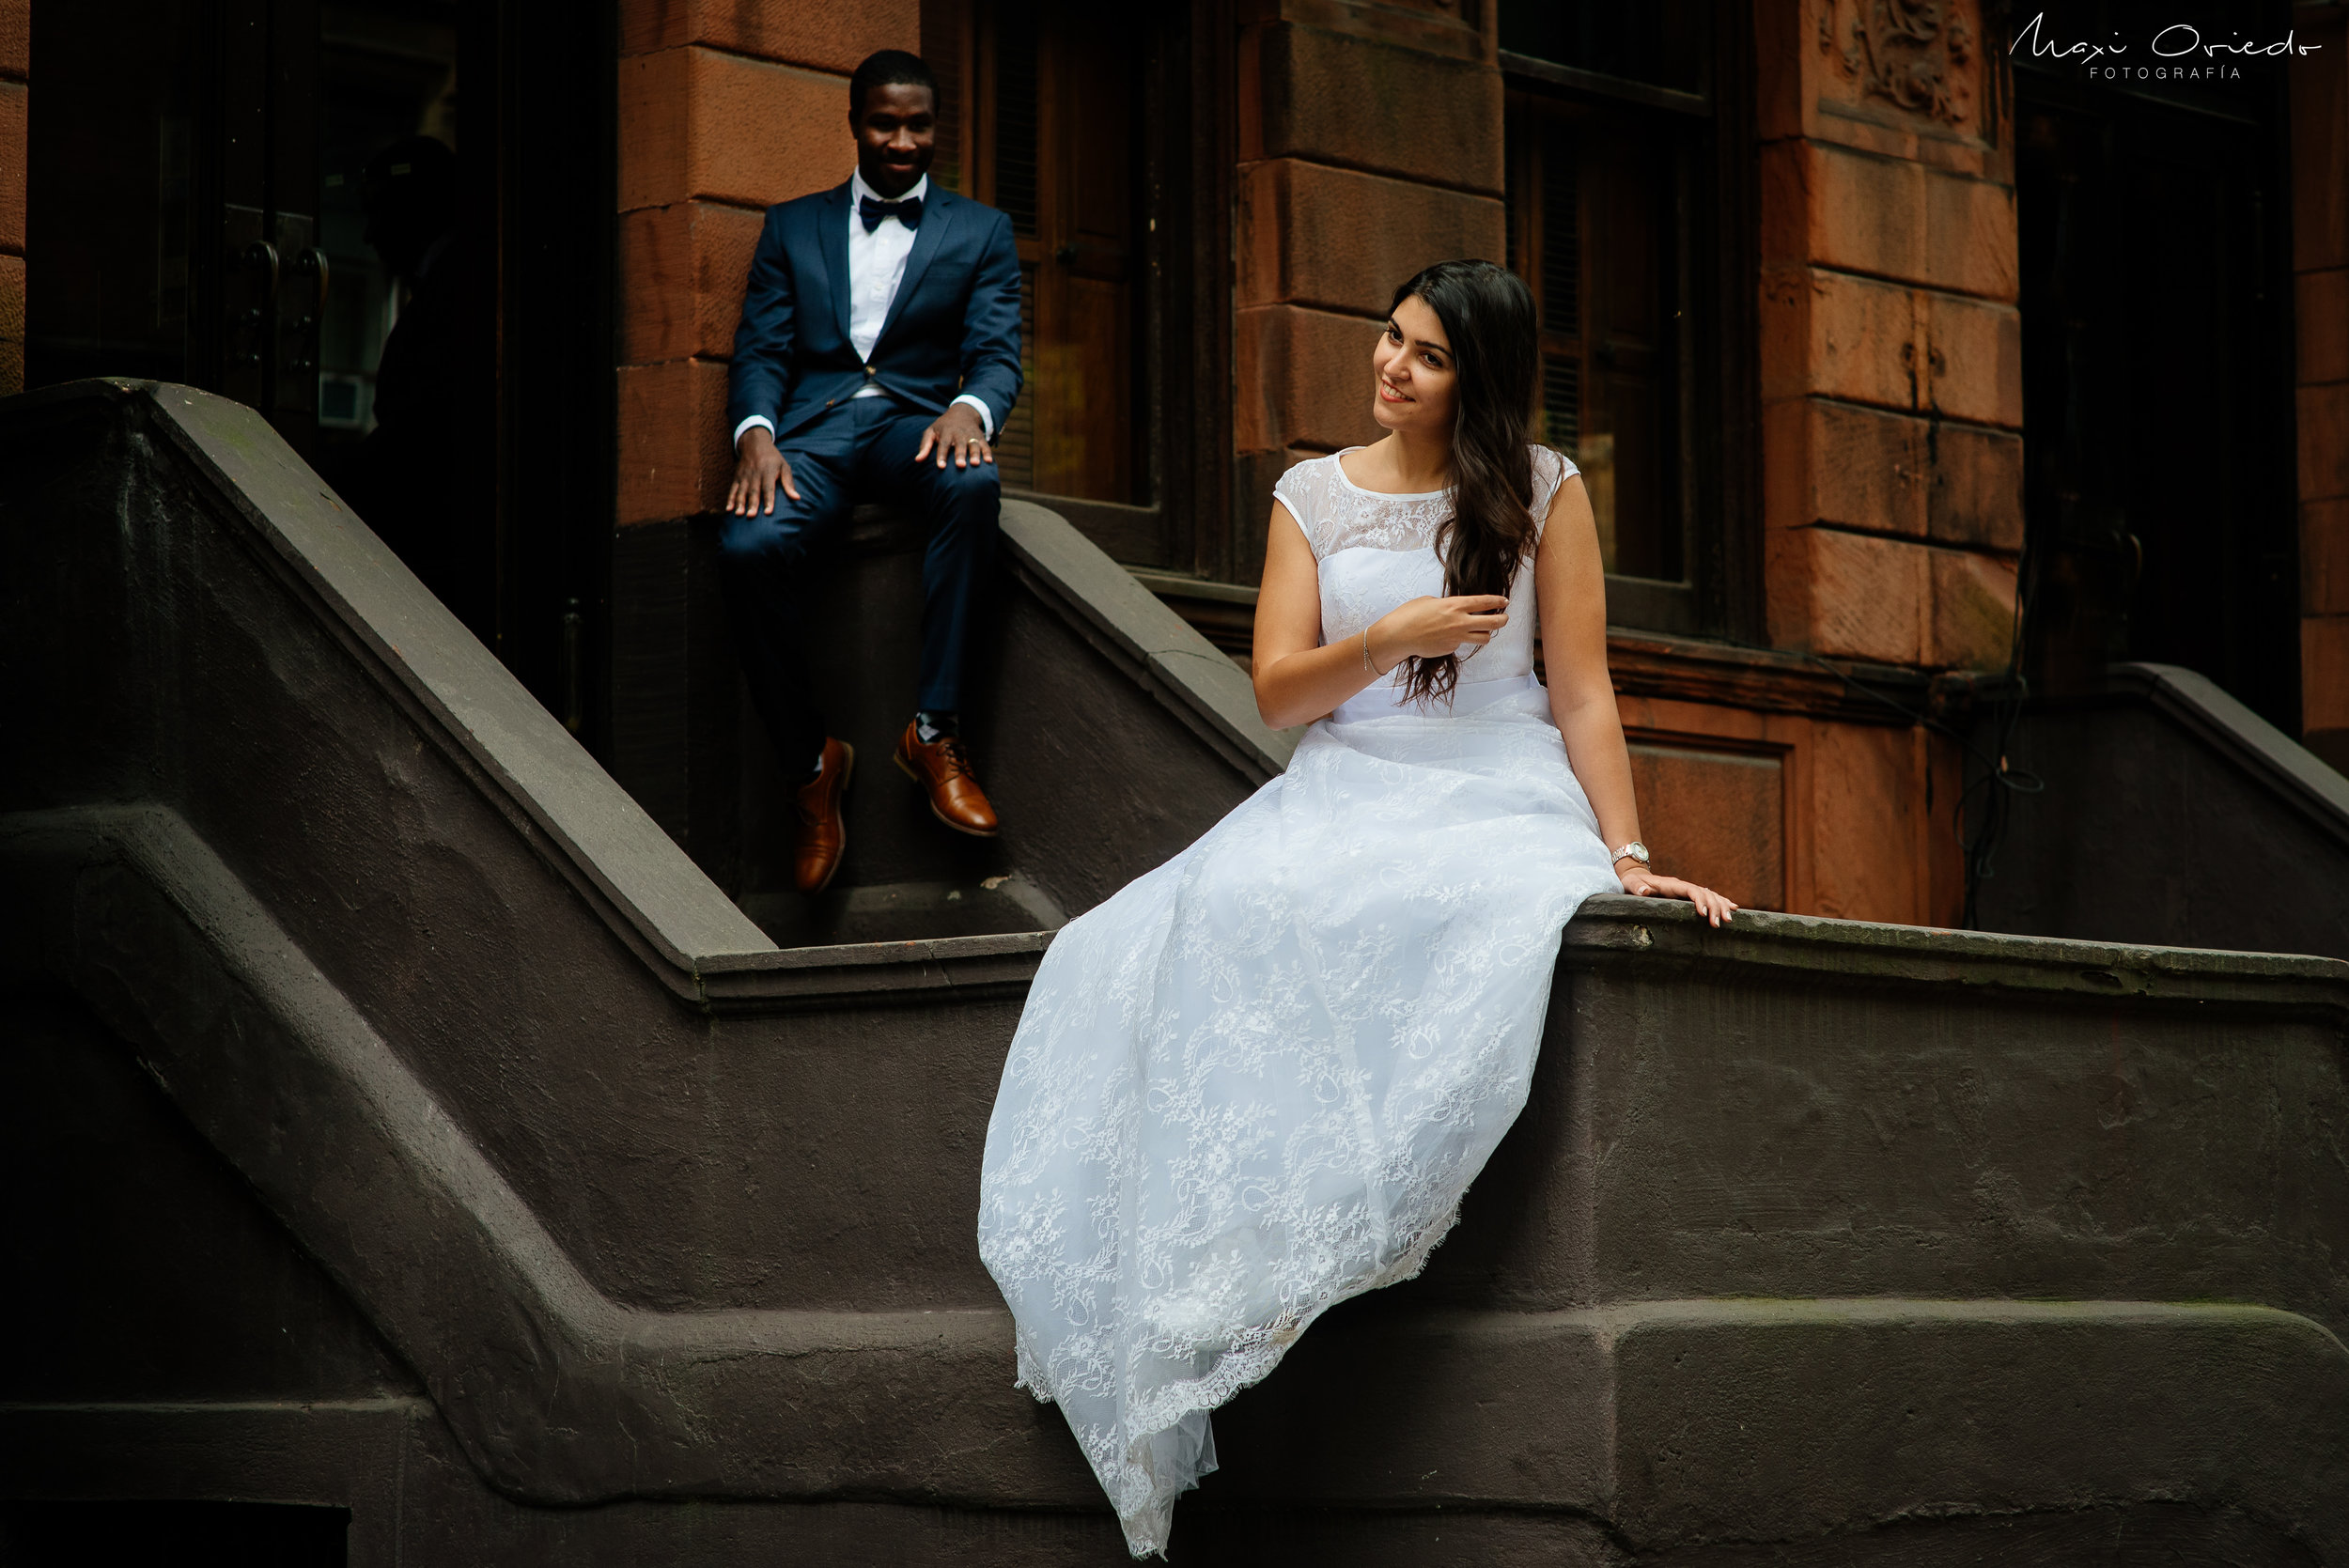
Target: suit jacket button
870,371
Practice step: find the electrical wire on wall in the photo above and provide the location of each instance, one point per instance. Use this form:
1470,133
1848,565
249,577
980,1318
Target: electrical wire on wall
1999,700
2000,778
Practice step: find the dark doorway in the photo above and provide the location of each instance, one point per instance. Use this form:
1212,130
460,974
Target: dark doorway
173,200
387,71
196,215
2157,412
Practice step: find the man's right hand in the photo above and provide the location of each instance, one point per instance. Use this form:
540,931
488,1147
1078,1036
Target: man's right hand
759,470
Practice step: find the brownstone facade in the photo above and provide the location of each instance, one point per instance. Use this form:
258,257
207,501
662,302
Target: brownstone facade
1861,531
1892,362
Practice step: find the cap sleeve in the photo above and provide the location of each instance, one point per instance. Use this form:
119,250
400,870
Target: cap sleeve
1300,490
1549,471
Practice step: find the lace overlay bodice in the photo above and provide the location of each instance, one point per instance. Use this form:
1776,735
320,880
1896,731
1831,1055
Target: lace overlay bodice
1374,552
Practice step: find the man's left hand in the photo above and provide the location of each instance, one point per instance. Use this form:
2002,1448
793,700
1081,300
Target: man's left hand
957,433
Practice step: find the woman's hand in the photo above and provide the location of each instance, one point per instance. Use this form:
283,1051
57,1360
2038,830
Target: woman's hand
1430,627
1646,884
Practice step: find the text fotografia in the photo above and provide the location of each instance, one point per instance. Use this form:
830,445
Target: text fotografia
2177,53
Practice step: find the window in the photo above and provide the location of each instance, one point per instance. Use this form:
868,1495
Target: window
1051,139
1596,237
1613,220
1092,128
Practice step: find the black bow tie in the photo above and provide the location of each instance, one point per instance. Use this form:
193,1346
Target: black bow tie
908,211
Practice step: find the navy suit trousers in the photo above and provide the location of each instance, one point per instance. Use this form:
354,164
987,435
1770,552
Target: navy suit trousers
860,451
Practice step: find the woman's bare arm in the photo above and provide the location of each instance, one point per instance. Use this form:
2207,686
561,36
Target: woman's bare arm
1299,680
1570,588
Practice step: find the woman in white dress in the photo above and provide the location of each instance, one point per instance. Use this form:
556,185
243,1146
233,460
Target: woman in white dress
1258,1080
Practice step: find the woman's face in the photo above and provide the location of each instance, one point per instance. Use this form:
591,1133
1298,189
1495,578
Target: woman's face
1415,382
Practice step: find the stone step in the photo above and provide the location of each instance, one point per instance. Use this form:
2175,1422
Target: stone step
569,1196
905,911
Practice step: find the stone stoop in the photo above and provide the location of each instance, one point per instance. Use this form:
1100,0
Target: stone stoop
402,1124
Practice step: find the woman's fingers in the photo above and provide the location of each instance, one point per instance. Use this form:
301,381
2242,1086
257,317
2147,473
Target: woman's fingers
1709,904
1712,906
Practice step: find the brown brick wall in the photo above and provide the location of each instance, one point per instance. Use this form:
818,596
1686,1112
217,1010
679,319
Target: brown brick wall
1796,811
1370,145
1368,99
832,36
1891,344
2320,214
1336,239
16,49
702,123
681,271
726,107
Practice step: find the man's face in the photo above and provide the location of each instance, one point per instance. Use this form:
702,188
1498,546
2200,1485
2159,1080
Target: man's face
896,135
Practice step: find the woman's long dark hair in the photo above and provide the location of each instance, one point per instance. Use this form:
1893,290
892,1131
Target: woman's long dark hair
1487,314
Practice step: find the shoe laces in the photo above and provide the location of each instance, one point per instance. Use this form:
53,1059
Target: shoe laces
950,751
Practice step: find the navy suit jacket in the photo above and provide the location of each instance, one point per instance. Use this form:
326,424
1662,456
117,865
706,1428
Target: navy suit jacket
952,328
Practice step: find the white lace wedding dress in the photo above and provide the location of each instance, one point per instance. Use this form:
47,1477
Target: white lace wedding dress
1257,1081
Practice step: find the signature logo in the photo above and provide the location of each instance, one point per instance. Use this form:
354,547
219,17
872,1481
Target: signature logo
2177,51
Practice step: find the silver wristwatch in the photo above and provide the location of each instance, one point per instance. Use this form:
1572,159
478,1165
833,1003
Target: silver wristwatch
1635,850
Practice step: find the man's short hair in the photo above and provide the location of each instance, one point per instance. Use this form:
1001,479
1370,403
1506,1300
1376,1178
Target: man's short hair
888,67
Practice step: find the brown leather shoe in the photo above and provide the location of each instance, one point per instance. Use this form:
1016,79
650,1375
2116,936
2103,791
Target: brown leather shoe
823,832
942,769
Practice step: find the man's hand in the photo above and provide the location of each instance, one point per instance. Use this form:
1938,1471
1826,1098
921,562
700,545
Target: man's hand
759,470
958,431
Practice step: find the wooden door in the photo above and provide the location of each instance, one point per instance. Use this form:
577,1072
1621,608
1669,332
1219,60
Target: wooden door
1063,132
2157,390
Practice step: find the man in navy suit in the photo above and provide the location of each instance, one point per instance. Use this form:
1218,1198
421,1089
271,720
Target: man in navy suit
878,354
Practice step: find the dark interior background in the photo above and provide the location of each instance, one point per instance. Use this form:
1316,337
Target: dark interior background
186,140
2156,362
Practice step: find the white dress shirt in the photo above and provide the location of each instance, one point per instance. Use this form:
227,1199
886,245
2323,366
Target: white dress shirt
877,266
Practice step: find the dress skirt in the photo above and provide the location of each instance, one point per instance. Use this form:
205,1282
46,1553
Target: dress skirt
1257,1081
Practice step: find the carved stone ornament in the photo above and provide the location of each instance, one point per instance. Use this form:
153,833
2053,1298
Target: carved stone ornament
1912,52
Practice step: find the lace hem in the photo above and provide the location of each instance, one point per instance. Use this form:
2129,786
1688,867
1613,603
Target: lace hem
1143,1495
